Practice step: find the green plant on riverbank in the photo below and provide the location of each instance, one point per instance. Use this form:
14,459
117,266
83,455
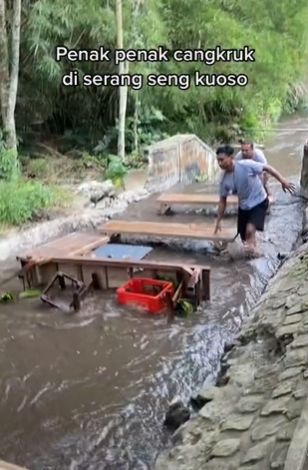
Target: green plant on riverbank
22,201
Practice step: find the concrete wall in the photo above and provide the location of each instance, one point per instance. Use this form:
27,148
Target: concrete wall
304,173
180,159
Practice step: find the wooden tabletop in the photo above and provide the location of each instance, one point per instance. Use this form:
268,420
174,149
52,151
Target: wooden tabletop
70,245
200,231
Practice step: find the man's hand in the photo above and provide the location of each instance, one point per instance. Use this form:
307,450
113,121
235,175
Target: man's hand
288,187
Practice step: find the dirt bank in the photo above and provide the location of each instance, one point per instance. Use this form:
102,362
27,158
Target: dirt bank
257,420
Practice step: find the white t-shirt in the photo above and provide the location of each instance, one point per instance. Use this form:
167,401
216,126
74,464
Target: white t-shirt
258,156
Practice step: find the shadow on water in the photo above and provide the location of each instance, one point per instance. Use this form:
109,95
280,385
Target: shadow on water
89,391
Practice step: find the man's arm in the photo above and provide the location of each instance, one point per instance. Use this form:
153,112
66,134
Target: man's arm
221,210
286,185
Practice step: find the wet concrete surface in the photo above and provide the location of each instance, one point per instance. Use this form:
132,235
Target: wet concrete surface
90,391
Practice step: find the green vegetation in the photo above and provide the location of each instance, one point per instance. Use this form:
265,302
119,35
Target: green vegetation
277,32
81,125
22,201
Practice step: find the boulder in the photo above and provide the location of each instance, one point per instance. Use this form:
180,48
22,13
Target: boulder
97,190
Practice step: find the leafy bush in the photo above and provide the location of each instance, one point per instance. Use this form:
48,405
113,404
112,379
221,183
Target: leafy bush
20,201
116,170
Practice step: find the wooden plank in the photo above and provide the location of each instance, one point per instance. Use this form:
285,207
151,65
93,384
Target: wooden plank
76,243
199,231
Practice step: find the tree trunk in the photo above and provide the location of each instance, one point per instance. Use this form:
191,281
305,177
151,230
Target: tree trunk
9,78
137,6
4,65
123,68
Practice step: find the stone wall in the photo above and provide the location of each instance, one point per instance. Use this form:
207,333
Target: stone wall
180,158
256,417
304,173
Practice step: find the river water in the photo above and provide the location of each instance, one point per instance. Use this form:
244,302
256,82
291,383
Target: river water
89,391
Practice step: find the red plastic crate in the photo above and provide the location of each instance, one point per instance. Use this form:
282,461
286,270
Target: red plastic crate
149,294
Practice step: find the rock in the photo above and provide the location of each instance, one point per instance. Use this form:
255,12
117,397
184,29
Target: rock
176,415
213,464
278,303
278,457
265,371
300,342
290,373
205,396
303,329
243,375
226,448
295,358
237,423
287,330
97,190
285,434
249,404
277,405
266,427
283,389
210,393
306,374
257,453
300,393
298,308
296,318
290,301
261,386
302,291
294,409
211,411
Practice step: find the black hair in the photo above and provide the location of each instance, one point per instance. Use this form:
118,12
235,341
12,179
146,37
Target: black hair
246,142
225,149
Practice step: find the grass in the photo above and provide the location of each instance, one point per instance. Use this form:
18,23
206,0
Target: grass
22,201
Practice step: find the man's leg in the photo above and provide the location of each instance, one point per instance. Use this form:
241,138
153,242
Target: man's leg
255,223
242,224
251,242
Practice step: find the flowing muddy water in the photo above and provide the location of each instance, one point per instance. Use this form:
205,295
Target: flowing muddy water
89,391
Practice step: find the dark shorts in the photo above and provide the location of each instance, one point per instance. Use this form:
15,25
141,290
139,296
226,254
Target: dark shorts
254,216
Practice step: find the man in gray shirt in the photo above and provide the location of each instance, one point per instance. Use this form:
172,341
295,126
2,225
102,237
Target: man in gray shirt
242,177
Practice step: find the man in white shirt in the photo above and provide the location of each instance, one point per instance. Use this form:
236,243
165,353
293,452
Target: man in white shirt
248,151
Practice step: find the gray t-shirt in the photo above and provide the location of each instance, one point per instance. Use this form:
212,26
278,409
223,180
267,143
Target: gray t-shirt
244,181
258,156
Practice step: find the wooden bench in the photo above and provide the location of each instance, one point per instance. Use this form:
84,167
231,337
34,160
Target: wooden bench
72,244
163,229
166,200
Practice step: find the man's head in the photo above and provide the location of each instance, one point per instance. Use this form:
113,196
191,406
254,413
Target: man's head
247,148
224,157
